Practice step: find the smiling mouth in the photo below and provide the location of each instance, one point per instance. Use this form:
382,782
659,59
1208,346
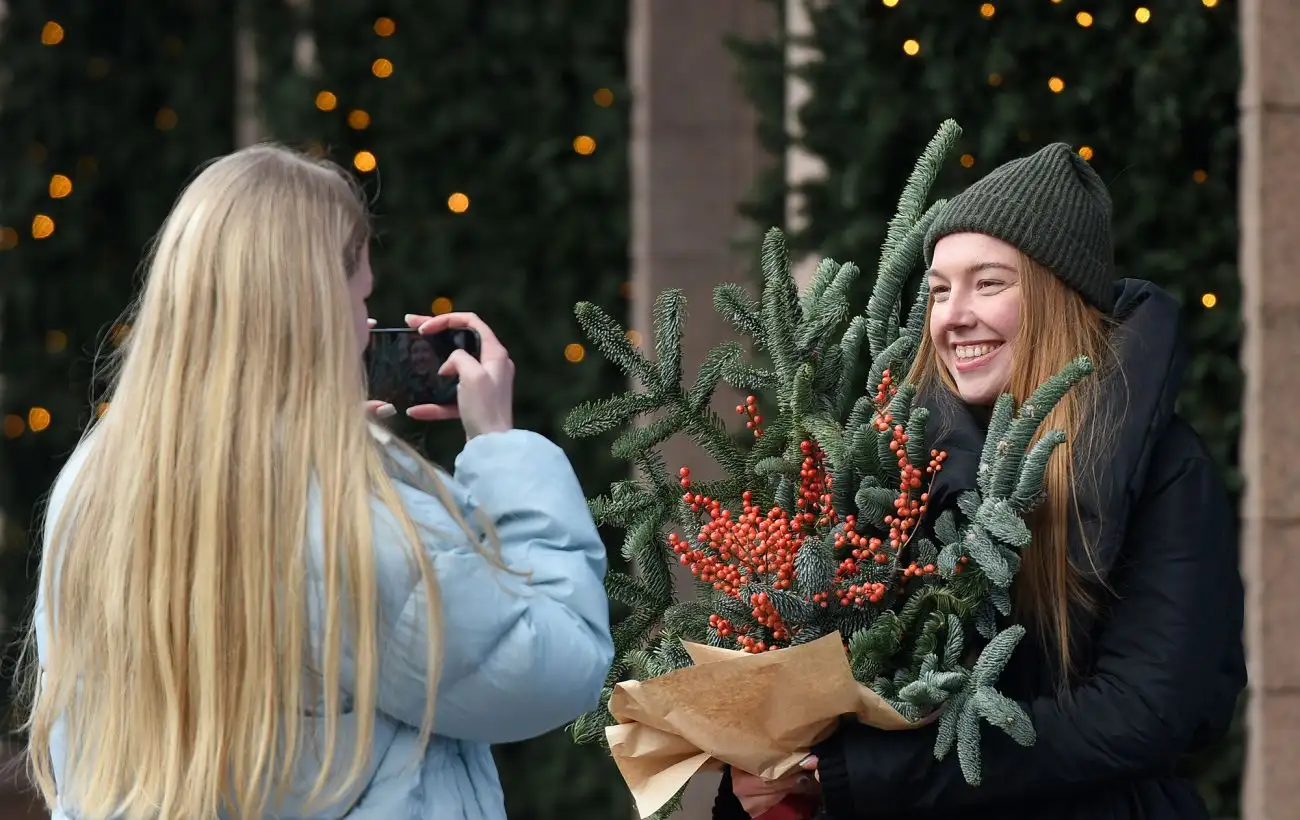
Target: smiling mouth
971,356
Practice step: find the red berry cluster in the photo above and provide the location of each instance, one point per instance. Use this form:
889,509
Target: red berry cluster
750,408
731,551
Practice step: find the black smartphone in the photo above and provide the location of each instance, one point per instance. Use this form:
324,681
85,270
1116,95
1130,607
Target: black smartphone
402,365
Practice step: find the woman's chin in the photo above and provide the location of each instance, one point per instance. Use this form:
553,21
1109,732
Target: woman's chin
980,390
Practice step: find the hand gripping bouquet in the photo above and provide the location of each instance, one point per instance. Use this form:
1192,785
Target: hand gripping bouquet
817,594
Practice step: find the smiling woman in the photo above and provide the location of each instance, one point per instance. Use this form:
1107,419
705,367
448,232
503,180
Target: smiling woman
1130,586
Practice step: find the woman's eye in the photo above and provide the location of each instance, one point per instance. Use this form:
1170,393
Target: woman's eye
985,284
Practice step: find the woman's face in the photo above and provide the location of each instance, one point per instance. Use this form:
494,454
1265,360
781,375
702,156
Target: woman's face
421,357
974,281
359,287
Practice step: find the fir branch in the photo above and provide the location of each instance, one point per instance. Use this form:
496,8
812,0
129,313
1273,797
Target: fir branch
814,565
828,434
780,303
822,277
709,431
995,437
735,306
711,372
912,201
636,441
596,418
831,309
669,326
920,309
1029,489
891,358
631,592
1041,403
1003,523
850,352
982,551
748,378
885,302
611,340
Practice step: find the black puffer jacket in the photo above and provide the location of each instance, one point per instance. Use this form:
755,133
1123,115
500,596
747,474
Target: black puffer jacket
1163,656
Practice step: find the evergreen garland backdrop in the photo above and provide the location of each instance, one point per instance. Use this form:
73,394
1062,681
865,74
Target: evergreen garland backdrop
105,110
490,101
1146,92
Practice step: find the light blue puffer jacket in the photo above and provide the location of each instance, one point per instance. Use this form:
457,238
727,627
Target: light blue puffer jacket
521,656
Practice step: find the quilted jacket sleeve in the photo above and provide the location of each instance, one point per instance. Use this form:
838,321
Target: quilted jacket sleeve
522,653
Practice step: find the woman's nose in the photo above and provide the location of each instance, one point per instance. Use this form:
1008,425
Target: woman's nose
957,315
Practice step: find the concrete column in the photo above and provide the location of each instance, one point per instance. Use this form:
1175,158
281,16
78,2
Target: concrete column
1270,270
695,155
801,165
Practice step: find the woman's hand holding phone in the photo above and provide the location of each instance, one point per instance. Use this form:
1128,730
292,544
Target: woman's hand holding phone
485,396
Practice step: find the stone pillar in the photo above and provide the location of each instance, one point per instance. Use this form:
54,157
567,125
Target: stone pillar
801,165
695,156
1270,256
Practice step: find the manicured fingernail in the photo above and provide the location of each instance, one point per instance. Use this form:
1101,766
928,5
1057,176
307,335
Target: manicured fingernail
386,411
805,761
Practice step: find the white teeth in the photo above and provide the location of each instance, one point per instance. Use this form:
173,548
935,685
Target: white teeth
967,352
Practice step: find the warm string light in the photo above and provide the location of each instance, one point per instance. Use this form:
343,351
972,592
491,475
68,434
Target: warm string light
60,186
365,162
584,145
1083,18
358,120
1056,84
14,426
967,161
385,27
56,341
633,338
988,10
8,238
458,203
603,97
1199,176
42,226
382,68
1209,300
51,34
327,101
1142,14
440,306
38,419
1086,152
911,48
574,352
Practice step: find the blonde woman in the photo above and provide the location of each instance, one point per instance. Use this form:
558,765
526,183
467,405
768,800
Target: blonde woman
254,603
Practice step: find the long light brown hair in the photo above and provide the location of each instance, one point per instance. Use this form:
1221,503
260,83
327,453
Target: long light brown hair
1056,325
180,651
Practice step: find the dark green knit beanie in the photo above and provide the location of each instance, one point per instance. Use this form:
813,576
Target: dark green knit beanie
1053,206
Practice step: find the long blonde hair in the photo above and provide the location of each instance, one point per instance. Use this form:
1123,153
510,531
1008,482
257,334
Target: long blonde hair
180,648
1056,325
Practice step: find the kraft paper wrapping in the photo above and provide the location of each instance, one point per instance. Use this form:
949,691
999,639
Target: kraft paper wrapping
760,713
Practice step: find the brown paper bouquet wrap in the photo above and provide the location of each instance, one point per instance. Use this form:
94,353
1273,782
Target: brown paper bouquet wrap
825,586
667,732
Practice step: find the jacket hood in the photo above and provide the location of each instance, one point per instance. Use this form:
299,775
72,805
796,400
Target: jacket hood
1138,396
